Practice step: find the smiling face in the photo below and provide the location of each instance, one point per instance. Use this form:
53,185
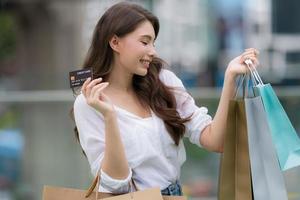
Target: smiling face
136,50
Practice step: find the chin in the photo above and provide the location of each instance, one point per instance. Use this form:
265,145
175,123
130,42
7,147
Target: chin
142,72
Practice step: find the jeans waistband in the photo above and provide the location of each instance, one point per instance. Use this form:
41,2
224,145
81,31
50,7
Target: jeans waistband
173,189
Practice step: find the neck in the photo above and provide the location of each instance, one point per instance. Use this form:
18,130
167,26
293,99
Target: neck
120,79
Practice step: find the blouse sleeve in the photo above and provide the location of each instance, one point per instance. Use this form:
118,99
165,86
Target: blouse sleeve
186,106
91,129
90,126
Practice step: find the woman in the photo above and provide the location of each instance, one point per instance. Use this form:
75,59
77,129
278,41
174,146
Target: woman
131,118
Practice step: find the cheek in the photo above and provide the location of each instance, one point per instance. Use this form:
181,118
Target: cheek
129,58
133,53
135,47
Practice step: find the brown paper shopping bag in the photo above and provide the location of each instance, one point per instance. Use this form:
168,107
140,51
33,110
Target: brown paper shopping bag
59,193
174,198
235,178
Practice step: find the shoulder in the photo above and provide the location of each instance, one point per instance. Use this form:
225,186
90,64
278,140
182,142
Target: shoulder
81,106
80,102
169,78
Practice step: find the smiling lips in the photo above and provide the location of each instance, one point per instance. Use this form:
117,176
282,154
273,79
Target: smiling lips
145,62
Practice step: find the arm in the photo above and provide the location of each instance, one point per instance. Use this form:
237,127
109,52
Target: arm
114,162
212,137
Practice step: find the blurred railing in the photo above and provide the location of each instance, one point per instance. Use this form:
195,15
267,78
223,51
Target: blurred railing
67,96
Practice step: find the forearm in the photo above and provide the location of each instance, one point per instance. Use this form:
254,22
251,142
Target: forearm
219,123
114,162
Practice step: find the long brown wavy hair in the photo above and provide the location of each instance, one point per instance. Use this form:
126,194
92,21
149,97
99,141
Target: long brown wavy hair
121,19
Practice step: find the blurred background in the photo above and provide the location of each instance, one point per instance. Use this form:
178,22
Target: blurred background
42,40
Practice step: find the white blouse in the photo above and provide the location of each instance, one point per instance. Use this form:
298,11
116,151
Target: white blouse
152,155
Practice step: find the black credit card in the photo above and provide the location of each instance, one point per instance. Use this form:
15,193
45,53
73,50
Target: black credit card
78,77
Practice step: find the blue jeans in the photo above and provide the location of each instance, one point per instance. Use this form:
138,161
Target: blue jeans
173,190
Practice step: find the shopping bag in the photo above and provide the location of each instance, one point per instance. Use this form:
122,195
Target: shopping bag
284,136
235,178
267,178
60,193
174,198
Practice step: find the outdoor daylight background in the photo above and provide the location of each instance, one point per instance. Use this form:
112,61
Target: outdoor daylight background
42,40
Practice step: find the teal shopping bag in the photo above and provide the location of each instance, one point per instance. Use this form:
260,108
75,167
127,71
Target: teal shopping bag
284,136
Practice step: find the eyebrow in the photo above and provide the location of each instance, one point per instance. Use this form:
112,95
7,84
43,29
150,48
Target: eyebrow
147,36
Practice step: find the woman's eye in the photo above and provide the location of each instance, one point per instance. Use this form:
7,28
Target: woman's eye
144,43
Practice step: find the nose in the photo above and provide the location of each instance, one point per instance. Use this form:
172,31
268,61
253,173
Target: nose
152,52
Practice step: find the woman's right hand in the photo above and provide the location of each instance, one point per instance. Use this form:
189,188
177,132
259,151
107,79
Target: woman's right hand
93,92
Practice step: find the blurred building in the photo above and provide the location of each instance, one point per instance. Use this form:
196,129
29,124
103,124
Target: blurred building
272,26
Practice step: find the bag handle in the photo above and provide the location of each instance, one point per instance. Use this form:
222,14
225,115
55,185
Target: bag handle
93,185
243,83
254,73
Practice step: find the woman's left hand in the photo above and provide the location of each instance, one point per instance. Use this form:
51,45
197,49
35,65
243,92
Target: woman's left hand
237,66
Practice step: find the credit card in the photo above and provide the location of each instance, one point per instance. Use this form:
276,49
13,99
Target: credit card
78,77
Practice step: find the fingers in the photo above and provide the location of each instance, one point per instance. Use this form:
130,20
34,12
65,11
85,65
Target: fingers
246,56
92,89
251,54
254,60
86,82
255,51
88,85
96,91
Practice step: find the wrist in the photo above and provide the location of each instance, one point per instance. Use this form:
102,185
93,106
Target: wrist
229,76
109,115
